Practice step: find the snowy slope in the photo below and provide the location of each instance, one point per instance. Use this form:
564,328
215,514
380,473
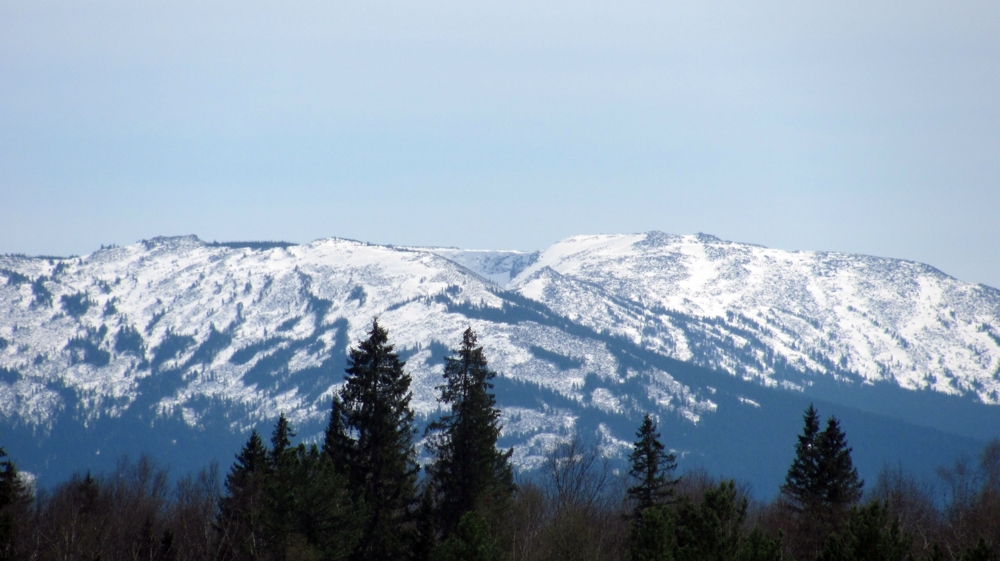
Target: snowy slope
499,266
266,331
177,340
764,310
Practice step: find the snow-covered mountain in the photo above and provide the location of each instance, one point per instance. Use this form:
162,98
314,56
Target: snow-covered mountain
766,313
177,340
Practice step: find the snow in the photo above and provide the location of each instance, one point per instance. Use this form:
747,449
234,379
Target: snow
496,266
308,297
882,319
752,307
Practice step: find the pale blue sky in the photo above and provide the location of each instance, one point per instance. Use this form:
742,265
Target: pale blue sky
852,126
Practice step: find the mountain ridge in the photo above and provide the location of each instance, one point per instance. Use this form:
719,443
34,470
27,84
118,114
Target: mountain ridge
209,339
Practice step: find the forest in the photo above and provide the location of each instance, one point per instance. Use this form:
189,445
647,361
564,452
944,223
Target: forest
360,494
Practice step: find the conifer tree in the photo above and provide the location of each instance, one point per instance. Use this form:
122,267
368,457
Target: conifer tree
281,484
426,539
14,502
871,533
324,520
757,546
839,481
243,509
281,442
821,485
468,472
287,502
337,445
653,536
652,467
802,480
714,528
711,530
382,466
471,541
822,476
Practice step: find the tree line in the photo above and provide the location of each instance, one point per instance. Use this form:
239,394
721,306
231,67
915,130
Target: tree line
359,495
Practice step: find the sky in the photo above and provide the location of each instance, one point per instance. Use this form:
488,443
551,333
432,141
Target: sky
862,127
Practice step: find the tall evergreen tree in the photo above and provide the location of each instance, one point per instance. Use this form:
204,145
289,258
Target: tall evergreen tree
286,502
281,442
15,499
839,481
282,484
802,480
468,472
653,469
324,520
822,476
243,509
382,466
821,485
337,445
712,530
426,539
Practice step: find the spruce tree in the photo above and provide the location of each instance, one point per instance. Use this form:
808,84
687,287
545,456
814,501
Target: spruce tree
653,536
283,470
426,539
821,485
281,441
287,502
471,541
468,472
822,476
382,467
243,509
802,480
15,501
711,530
652,467
324,520
714,528
757,546
871,533
337,445
839,481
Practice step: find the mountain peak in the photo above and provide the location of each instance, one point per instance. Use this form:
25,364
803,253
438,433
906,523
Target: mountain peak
587,335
